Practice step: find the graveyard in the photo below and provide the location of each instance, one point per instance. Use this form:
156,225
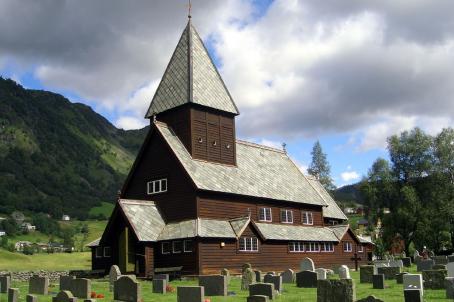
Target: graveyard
131,289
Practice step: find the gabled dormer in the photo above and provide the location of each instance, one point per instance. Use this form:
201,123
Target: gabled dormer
194,101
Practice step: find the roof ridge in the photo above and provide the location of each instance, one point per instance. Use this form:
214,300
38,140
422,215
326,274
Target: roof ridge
260,146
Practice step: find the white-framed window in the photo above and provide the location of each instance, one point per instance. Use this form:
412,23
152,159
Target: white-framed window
165,248
99,252
177,247
307,218
347,246
187,246
312,247
327,247
107,251
287,216
265,214
360,248
296,247
248,244
157,186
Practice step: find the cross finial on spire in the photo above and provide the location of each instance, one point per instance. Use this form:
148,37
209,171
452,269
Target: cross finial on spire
189,9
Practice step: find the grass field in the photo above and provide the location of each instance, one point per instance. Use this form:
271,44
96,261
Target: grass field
43,261
394,292
104,209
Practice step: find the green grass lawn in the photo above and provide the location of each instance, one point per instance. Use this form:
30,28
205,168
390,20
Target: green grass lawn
34,237
95,230
43,261
394,292
104,209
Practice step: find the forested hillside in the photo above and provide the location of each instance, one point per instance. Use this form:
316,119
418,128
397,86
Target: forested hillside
56,156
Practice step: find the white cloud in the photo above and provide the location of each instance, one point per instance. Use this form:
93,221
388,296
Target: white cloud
270,143
349,176
130,122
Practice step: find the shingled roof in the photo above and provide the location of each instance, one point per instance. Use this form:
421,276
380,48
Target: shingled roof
332,210
191,77
260,172
270,231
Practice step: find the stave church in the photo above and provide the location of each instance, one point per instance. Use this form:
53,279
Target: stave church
198,200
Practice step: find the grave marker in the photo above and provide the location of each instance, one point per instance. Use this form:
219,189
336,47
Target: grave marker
258,276
434,279
31,298
127,289
306,279
321,273
449,286
214,285
38,285
81,288
378,281
264,289
344,272
159,286
275,280
413,281
365,273
190,294
307,265
247,279
412,295
288,276
114,274
13,294
64,296
65,282
425,264
331,290
5,283
257,298
450,268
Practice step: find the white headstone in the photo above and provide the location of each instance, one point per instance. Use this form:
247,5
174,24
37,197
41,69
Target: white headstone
344,272
114,274
416,254
413,281
396,263
307,265
321,273
288,276
450,268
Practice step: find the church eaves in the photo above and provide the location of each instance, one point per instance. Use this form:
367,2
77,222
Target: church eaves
191,77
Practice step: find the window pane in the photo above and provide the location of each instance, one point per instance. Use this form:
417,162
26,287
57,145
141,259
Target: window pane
248,244
309,218
165,247
290,216
268,214
164,185
255,245
188,245
283,216
156,186
242,244
177,246
262,214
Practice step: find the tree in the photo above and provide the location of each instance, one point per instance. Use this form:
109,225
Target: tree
320,167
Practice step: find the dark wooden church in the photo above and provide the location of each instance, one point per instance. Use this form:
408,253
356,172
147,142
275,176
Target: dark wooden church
198,200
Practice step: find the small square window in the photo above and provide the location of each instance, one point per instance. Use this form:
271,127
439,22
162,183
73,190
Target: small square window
157,186
360,248
177,247
107,251
307,218
265,214
164,185
99,252
286,216
188,246
347,247
165,248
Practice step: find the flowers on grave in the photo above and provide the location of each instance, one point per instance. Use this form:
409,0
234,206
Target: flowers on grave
93,295
170,288
99,296
207,300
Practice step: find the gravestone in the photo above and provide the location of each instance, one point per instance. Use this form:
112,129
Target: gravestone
440,260
417,259
127,289
214,285
331,290
381,263
159,286
275,280
247,279
378,281
389,272
190,294
450,268
13,294
5,283
307,265
257,298
225,272
258,276
400,278
321,273
31,298
344,272
245,266
449,286
81,288
161,277
450,258
271,273
365,273
439,266
396,263
114,274
434,279
38,285
412,295
413,281
306,279
64,296
425,264
406,261
370,299
263,289
288,276
65,282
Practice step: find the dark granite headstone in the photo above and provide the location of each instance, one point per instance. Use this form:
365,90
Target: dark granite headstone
412,295
450,258
31,298
441,260
262,289
258,276
307,279
13,294
127,289
159,286
365,273
190,294
215,285
275,280
434,279
406,261
65,282
378,281
64,296
370,299
257,298
389,272
424,264
5,283
332,290
161,277
400,278
81,288
38,285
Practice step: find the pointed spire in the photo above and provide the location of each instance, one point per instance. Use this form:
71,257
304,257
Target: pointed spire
191,77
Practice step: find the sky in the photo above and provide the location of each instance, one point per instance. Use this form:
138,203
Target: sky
348,73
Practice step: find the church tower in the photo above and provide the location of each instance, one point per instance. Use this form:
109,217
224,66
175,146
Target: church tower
194,101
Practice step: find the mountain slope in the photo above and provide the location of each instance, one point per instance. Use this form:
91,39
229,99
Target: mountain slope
56,156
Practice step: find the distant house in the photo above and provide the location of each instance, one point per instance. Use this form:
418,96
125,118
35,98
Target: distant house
386,211
350,211
26,226
21,245
2,233
65,218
